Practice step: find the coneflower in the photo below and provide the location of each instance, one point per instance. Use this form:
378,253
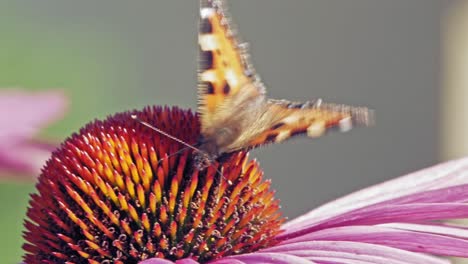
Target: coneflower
111,194
116,192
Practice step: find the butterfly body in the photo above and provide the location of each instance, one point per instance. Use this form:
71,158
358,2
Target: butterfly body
229,131
234,112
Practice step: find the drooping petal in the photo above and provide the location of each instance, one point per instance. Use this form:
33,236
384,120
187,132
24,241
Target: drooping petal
156,261
24,156
227,261
433,228
440,184
266,258
400,215
389,214
449,174
165,261
402,239
22,115
354,251
329,260
186,261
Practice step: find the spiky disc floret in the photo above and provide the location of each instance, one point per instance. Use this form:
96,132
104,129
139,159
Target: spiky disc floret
109,194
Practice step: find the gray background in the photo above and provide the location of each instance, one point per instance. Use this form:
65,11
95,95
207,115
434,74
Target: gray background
383,54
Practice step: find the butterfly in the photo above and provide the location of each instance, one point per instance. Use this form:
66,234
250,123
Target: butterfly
233,109
234,112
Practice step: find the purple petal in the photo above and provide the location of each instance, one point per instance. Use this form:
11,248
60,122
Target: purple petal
449,194
24,157
439,229
22,115
395,215
156,261
325,260
186,261
328,260
271,258
388,214
406,240
443,183
355,251
165,261
445,175
227,261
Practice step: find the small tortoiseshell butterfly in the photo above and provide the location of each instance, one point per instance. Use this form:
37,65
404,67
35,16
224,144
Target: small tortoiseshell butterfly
232,105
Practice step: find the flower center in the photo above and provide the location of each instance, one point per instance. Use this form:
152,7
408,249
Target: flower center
116,193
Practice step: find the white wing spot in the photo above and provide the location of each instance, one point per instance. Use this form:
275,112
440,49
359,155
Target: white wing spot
231,78
208,42
209,76
345,124
290,119
282,136
316,129
206,12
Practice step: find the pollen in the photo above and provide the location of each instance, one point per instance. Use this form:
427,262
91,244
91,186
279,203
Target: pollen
119,192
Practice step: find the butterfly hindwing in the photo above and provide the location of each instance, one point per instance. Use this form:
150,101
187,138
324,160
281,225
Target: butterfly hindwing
282,120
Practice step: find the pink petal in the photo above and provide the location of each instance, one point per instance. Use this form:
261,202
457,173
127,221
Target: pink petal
22,115
448,194
25,157
406,240
447,174
385,214
440,229
165,261
266,258
354,250
328,260
227,261
156,261
396,215
186,261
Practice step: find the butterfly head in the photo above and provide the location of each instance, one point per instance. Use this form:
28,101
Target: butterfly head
202,160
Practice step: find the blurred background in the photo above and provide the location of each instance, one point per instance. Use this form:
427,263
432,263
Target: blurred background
406,59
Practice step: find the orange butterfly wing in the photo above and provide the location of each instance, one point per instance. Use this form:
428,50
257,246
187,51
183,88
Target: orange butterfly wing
233,110
313,119
224,67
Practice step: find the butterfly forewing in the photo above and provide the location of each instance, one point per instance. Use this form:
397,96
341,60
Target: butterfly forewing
234,113
224,69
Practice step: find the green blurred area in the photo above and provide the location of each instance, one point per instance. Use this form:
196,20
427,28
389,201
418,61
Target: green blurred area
80,63
13,203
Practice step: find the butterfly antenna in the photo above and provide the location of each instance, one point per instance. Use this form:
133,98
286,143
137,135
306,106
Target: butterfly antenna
187,146
135,117
229,182
173,154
